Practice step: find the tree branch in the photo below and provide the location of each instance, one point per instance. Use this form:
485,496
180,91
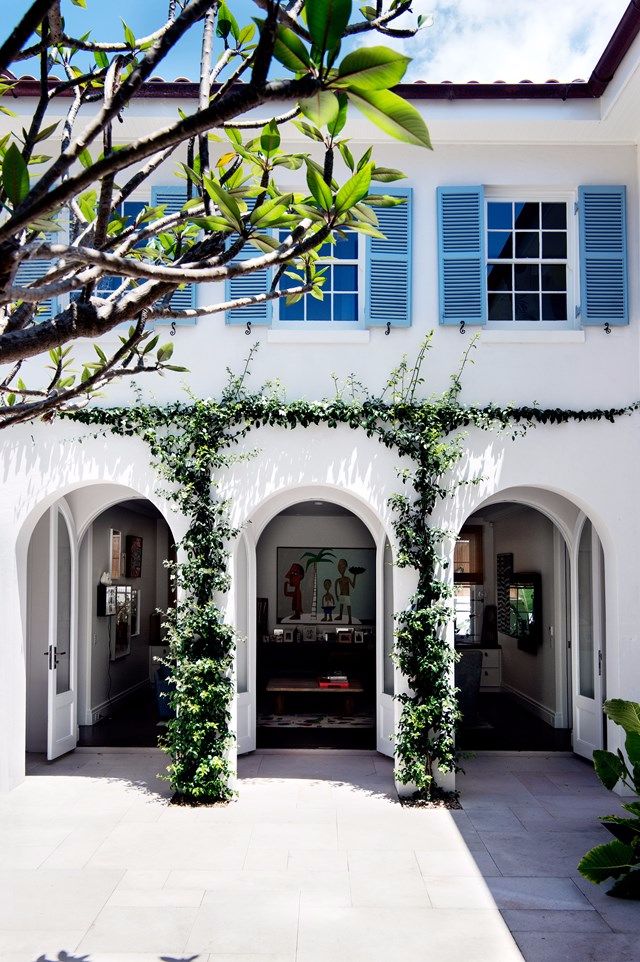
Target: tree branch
21,33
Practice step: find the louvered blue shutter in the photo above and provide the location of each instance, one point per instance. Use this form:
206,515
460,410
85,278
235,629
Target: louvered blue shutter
247,285
461,255
388,292
31,271
603,255
174,198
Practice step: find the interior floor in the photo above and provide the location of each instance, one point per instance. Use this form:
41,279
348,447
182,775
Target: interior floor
301,735
133,723
505,725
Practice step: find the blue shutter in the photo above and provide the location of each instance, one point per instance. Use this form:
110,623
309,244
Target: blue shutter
603,255
247,285
174,198
31,271
461,255
388,293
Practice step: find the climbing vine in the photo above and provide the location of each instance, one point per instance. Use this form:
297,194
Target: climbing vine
191,445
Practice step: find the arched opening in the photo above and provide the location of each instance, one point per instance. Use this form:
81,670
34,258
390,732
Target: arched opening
316,629
529,627
96,584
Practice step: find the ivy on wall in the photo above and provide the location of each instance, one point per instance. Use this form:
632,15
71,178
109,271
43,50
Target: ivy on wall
191,444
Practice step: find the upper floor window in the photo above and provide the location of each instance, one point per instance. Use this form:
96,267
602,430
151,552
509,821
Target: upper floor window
528,271
341,302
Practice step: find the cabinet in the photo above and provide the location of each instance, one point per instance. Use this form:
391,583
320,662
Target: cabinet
491,677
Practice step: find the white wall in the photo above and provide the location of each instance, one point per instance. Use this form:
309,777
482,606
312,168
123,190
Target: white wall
309,531
528,535
113,678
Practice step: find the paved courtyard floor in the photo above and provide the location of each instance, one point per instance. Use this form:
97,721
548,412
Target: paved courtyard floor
316,862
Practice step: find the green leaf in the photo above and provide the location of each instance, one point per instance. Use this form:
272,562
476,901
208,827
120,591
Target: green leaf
606,861
174,367
164,352
213,224
624,713
273,209
291,51
371,68
322,108
227,23
15,175
85,158
354,190
392,114
627,887
327,21
101,59
346,155
626,830
246,35
129,35
335,126
385,175
79,3
100,353
270,137
46,131
11,399
632,746
609,768
228,206
318,189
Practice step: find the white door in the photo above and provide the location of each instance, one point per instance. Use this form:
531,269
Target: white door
62,729
588,644
385,704
246,618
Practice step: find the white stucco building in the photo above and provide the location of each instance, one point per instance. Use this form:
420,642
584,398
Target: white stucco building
523,223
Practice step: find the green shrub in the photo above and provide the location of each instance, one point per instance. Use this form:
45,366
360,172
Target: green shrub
619,859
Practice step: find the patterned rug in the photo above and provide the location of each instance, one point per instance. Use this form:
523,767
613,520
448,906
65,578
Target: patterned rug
316,721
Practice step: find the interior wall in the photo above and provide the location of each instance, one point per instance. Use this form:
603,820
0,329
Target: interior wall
38,635
528,535
309,531
110,679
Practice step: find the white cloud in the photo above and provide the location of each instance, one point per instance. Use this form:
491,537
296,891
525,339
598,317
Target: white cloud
511,40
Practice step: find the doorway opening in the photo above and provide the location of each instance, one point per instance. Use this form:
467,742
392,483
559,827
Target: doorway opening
529,628
95,630
316,576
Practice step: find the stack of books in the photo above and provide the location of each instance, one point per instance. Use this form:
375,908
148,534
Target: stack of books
336,680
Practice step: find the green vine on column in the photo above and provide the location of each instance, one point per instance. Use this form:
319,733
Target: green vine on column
192,444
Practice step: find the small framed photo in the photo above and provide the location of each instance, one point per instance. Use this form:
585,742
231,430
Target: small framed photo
115,552
288,635
358,637
345,636
278,635
309,633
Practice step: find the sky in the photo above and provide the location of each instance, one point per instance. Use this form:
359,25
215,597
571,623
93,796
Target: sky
482,40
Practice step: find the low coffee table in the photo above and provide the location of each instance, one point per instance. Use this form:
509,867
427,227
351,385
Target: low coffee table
281,686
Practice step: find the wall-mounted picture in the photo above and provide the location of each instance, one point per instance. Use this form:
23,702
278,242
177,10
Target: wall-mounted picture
288,635
115,552
133,566
525,608
322,586
504,571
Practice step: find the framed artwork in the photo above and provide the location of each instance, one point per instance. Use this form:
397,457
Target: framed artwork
309,633
133,566
323,586
115,553
504,571
288,635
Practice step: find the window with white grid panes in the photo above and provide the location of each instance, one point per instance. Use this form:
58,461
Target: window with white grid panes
527,262
341,301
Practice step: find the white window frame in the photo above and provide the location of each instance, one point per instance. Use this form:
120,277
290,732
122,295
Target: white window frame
331,326
552,195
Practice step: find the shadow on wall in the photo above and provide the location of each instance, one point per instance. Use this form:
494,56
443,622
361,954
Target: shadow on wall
63,956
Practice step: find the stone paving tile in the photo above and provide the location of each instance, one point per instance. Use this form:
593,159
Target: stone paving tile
315,862
578,947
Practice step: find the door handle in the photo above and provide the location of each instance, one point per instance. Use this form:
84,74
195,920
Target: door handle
600,662
50,653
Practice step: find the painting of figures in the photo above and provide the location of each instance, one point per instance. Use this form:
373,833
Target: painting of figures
326,585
